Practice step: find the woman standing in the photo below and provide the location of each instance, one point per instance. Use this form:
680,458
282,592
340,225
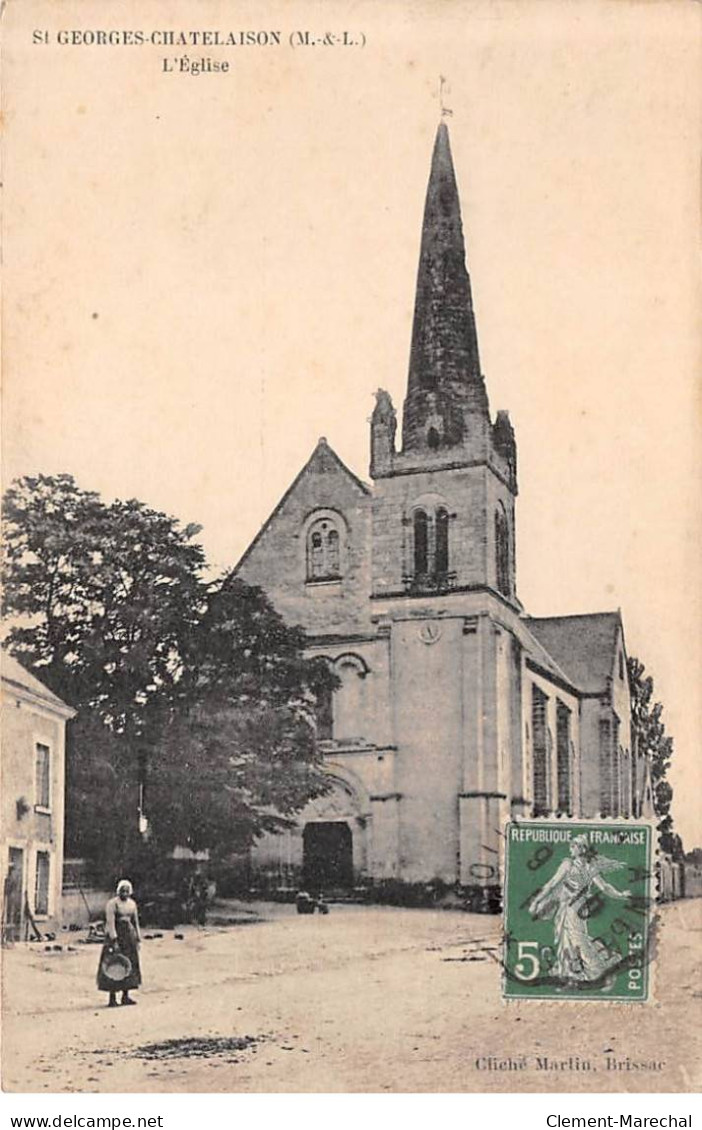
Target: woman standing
122,926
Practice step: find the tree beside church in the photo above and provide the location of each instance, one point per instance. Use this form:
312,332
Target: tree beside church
194,702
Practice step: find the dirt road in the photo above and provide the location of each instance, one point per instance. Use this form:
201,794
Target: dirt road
366,999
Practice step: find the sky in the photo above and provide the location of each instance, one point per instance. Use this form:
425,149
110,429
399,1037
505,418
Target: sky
205,273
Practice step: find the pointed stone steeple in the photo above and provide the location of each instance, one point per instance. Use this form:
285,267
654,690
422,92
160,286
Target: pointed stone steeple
445,386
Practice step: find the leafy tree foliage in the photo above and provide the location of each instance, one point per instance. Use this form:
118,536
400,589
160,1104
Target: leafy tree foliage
244,728
649,740
102,798
199,693
103,596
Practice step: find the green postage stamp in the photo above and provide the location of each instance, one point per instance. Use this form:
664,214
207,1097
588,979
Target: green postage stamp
578,910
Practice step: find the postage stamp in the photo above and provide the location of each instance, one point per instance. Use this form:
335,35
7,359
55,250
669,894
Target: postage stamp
578,910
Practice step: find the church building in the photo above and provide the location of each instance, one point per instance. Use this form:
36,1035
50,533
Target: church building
455,709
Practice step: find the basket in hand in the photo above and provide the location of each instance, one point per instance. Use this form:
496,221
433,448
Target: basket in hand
115,967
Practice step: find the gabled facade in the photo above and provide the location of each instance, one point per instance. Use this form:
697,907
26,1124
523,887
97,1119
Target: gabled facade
33,774
456,709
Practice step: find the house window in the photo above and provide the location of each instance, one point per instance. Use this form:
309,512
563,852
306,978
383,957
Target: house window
41,888
539,730
42,777
502,552
563,757
323,551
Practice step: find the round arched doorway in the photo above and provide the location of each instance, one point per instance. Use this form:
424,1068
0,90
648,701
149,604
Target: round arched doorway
326,849
334,845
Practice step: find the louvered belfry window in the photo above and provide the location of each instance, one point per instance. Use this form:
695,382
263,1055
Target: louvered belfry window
430,546
442,542
421,543
502,553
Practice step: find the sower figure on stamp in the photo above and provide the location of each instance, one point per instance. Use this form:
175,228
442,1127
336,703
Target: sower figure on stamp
565,898
123,937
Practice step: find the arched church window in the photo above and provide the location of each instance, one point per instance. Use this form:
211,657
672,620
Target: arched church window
333,551
541,783
325,714
350,698
616,768
442,549
502,552
316,555
563,757
323,551
433,439
421,543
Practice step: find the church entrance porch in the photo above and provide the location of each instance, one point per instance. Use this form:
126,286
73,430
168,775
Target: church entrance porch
325,849
327,856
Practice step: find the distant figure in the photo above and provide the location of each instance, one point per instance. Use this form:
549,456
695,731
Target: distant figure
197,900
306,904
124,937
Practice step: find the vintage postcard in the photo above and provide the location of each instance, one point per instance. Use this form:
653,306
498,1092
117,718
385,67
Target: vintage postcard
351,459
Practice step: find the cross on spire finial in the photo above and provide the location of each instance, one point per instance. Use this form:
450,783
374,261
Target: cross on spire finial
445,112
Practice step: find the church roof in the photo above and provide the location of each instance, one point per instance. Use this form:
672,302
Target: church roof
322,461
15,674
444,353
582,646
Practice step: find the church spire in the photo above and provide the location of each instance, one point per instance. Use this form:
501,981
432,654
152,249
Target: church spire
445,382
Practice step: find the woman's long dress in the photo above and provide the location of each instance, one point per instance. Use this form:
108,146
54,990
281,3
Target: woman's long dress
578,957
122,923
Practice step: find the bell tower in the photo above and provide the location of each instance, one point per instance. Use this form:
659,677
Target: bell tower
443,585
444,503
